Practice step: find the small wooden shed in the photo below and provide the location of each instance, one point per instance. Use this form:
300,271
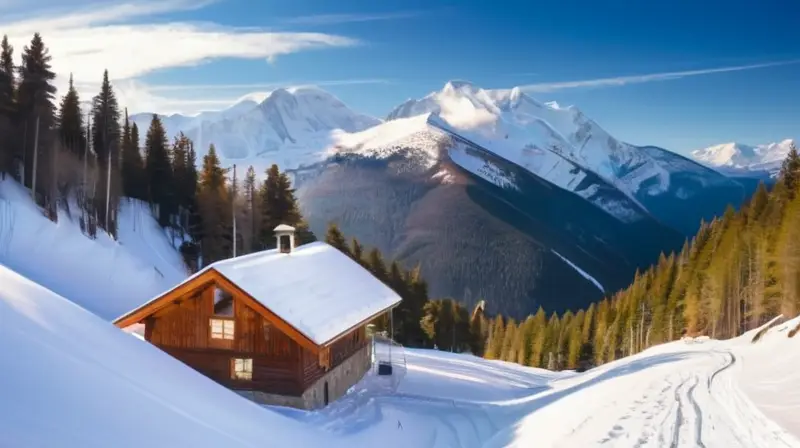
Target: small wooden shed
285,326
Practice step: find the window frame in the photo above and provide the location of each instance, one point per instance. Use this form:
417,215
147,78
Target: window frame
225,325
246,371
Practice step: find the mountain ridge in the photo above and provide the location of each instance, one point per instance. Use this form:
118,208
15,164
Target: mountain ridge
736,157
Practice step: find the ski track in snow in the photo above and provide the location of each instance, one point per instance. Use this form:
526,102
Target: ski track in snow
680,394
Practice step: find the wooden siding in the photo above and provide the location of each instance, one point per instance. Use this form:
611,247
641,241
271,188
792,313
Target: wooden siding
270,375
183,330
339,351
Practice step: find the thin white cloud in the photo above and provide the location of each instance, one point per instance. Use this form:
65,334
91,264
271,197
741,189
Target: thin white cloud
94,14
272,85
120,37
335,19
638,79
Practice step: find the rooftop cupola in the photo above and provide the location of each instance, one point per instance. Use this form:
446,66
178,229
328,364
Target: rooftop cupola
284,234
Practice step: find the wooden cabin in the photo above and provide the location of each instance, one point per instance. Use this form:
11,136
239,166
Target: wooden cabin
284,326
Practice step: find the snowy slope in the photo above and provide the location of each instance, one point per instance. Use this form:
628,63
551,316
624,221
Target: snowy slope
733,155
694,393
290,127
104,276
72,380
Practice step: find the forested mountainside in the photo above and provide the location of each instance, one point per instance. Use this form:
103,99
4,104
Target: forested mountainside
481,227
739,271
84,167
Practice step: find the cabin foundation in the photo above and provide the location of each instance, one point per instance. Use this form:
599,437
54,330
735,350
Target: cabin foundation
338,381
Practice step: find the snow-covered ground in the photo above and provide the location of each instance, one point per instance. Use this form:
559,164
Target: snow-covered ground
75,380
106,277
70,379
697,393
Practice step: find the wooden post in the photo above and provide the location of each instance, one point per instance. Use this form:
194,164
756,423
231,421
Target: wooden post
233,209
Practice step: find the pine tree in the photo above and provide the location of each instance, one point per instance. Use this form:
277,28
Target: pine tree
70,123
335,238
357,251
7,107
158,170
214,209
252,211
132,169
494,345
136,144
538,338
478,329
790,171
279,206
35,102
106,138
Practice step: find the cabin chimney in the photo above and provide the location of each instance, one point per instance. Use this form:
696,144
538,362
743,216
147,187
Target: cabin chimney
284,235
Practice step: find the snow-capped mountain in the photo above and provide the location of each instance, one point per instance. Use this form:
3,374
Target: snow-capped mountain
291,127
562,145
540,136
737,156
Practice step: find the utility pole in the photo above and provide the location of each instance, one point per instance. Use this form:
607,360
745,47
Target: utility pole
24,151
86,150
233,209
108,189
35,157
108,155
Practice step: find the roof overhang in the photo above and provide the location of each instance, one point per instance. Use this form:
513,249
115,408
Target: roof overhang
211,275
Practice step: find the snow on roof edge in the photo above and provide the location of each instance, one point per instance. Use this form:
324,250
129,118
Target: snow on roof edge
394,302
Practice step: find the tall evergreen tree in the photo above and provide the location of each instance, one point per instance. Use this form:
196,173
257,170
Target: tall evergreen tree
335,238
251,207
70,123
7,106
106,138
279,206
158,170
790,171
35,102
214,208
132,168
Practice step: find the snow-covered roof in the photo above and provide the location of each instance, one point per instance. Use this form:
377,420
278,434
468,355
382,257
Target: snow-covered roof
316,289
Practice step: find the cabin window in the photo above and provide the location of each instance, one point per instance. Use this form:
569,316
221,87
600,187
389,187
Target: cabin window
242,369
222,329
223,302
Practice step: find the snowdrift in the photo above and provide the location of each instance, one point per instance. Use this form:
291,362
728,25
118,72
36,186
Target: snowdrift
69,379
104,276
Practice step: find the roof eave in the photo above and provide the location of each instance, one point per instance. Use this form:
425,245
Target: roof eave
363,322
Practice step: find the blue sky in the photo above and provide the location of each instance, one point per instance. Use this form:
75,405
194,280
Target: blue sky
375,54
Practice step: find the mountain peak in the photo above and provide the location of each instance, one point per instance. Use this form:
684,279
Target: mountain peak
459,84
741,156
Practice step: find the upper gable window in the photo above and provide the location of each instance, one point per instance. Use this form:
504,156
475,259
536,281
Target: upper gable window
222,329
223,302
